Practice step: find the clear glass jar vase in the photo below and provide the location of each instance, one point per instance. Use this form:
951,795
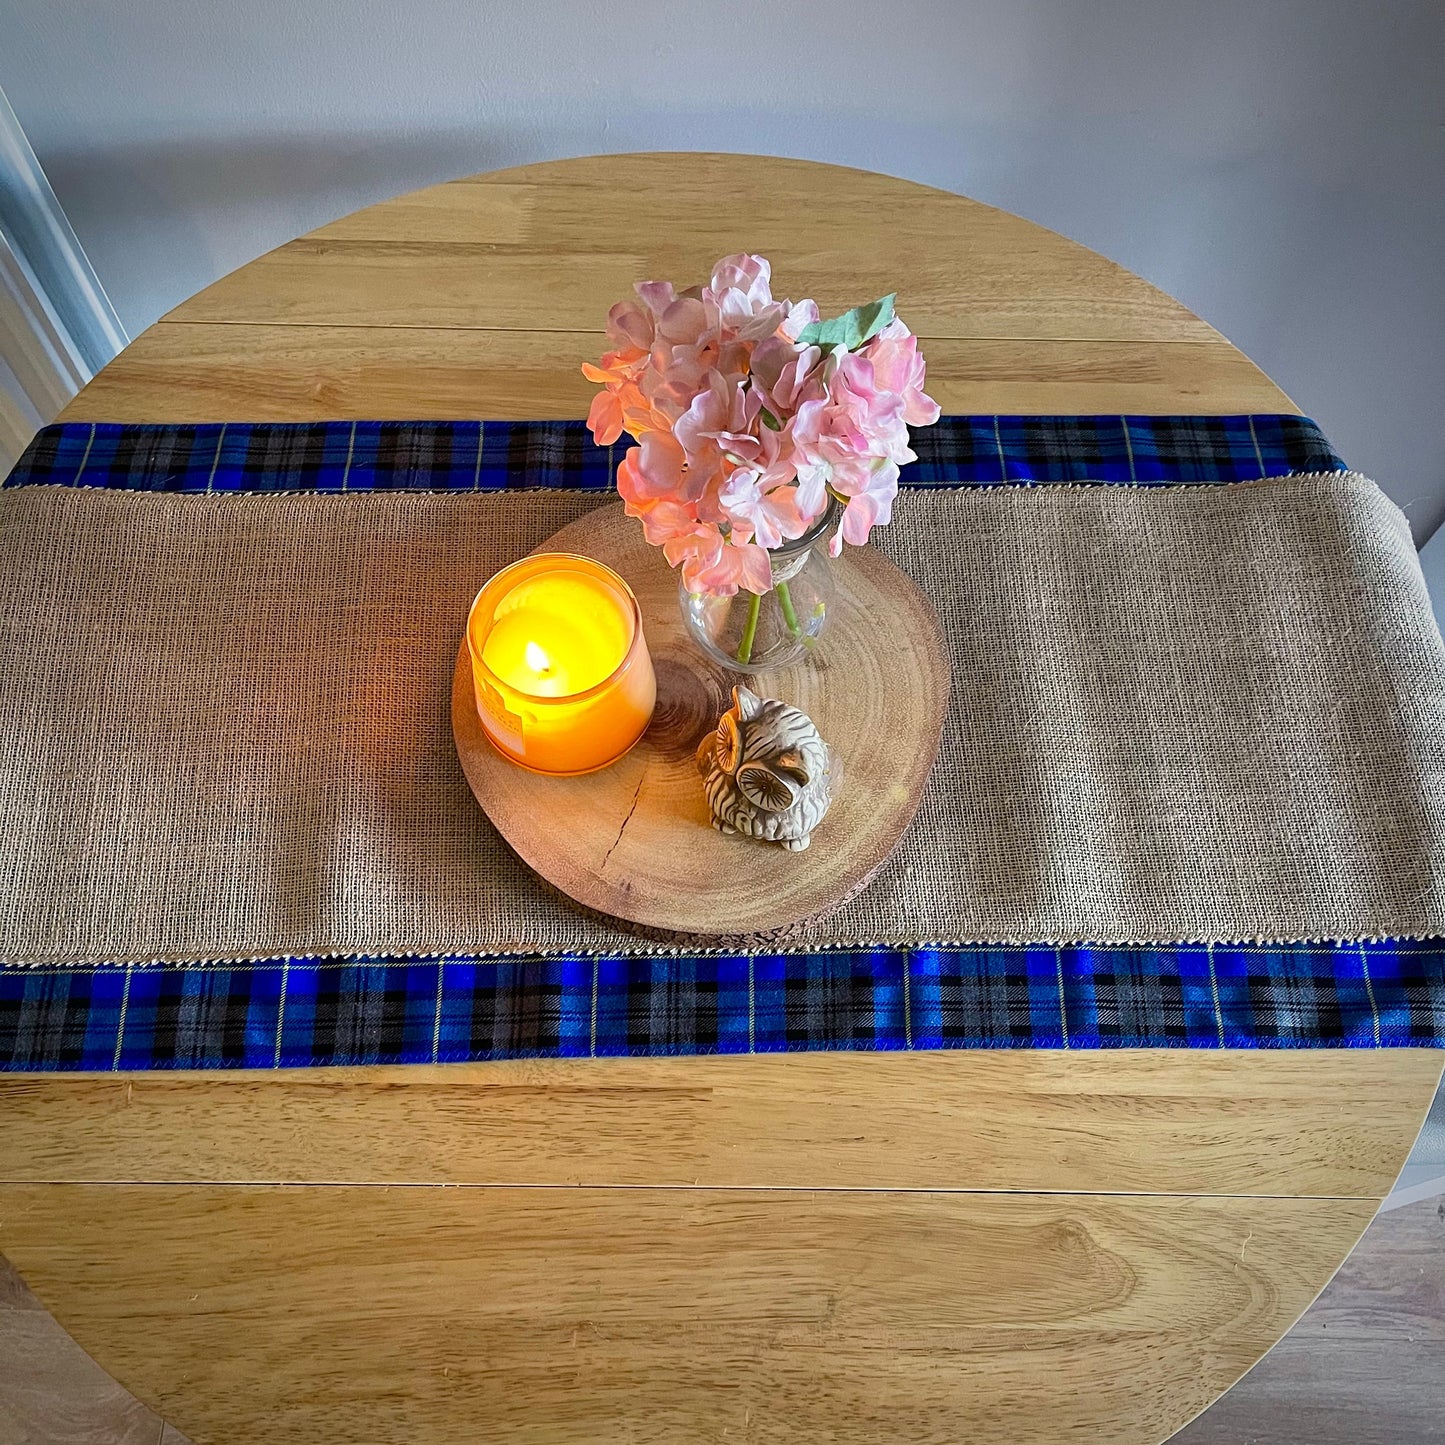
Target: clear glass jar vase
749,633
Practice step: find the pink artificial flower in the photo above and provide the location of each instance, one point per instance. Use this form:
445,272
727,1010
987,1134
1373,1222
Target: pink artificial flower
869,414
898,367
632,325
871,505
851,443
759,501
684,323
604,417
721,422
806,431
740,289
694,549
686,350
787,375
713,565
743,433
664,520
764,516
657,296
653,470
800,314
656,487
668,386
839,439
621,365
736,565
746,278
629,410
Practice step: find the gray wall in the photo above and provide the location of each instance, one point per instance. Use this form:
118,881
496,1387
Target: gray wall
1279,165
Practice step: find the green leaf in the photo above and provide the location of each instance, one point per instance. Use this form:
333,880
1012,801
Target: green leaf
769,420
852,328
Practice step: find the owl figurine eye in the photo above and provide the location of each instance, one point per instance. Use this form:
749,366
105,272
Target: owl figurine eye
765,789
729,744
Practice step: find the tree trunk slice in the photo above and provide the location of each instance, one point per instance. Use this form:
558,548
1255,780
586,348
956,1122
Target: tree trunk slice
634,842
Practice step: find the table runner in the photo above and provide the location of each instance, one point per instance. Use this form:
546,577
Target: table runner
598,991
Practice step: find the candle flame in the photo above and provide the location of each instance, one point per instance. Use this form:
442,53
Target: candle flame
537,659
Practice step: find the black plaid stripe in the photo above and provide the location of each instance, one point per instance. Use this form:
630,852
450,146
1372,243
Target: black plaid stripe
670,1009
1201,443
360,1015
1137,999
516,1010
1297,1007
547,451
1422,990
285,451
409,457
976,1003
1077,438
828,1003
53,1028
198,1018
944,449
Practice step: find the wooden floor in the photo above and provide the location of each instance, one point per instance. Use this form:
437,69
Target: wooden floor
1365,1366
1366,1363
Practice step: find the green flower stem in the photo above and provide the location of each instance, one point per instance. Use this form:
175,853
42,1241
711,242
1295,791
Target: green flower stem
750,629
819,612
785,600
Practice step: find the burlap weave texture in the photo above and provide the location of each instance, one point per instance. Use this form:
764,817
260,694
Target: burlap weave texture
1177,713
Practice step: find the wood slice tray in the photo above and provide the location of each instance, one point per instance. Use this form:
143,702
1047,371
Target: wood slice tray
634,842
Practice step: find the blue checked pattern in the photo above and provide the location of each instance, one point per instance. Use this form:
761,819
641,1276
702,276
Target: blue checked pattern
289,1012
469,456
302,1011
331,456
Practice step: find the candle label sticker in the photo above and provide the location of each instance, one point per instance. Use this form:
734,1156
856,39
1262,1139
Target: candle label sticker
506,727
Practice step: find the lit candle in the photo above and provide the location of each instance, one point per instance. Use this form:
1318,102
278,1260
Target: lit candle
563,678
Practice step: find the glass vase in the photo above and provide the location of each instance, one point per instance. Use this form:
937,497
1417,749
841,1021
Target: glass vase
751,633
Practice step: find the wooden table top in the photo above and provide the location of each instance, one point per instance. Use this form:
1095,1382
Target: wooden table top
1014,1246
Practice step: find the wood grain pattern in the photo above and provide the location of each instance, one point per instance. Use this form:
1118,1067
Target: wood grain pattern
638,836
1134,1120
1360,1367
661,1315
216,372
794,1308
551,248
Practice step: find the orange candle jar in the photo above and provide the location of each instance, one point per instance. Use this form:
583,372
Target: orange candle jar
563,678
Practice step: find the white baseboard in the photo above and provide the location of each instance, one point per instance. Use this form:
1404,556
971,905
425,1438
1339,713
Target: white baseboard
39,369
18,420
57,326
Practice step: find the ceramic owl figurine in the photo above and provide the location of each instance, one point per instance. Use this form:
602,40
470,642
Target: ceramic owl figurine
766,771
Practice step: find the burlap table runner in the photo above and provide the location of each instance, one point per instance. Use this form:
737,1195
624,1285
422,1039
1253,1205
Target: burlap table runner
1178,713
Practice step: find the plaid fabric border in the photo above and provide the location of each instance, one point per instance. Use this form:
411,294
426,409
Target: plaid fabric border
471,456
368,1011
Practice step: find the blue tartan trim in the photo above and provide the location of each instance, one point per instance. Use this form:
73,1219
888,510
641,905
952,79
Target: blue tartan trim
380,1010
469,456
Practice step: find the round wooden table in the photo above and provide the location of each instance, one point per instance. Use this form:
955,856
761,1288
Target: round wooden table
1022,1246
